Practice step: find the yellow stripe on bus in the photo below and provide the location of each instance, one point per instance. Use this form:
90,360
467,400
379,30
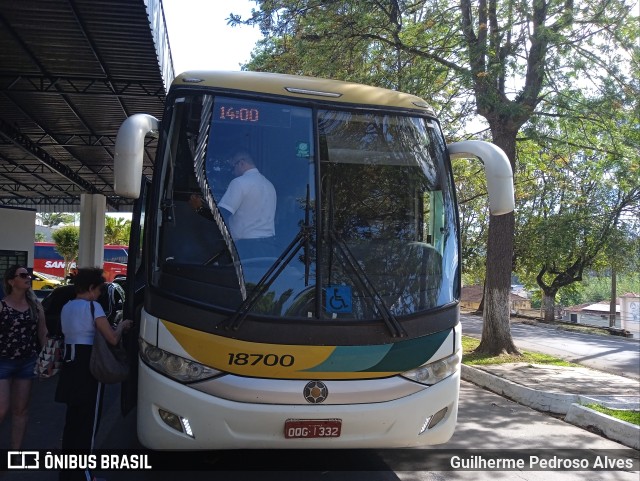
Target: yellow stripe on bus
281,361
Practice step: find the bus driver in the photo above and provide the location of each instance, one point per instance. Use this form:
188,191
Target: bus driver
248,207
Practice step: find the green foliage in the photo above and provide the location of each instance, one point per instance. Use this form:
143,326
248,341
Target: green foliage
360,42
622,252
472,358
593,288
67,241
627,415
511,57
570,295
117,230
471,191
52,219
596,289
40,237
575,212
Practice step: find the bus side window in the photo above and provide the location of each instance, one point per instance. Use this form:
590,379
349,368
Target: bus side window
46,252
115,255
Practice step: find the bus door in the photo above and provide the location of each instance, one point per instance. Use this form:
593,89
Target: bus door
134,289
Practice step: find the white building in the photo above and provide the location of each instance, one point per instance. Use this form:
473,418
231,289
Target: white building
597,314
630,313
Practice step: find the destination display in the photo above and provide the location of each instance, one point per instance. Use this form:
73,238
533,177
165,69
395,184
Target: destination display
227,110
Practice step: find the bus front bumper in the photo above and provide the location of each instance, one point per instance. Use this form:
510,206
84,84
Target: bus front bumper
216,423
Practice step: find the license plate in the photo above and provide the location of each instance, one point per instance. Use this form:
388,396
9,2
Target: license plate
312,428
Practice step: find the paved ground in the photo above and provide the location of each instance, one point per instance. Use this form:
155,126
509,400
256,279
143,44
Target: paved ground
612,354
485,422
487,426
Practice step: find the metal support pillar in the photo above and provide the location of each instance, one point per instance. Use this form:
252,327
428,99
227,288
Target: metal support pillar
92,214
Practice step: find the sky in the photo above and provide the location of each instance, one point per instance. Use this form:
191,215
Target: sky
200,38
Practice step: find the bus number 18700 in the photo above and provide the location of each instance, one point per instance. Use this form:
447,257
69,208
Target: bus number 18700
246,359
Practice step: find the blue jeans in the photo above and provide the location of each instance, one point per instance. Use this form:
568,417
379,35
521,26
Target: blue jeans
17,368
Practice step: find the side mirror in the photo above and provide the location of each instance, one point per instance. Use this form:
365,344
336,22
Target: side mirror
129,154
497,169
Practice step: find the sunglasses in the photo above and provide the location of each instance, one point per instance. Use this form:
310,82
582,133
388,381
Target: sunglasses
23,275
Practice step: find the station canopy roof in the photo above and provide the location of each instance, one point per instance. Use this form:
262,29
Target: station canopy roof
71,71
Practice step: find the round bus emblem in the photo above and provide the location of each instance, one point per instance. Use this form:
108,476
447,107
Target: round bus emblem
315,392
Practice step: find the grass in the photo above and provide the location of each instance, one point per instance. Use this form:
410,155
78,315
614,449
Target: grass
632,417
471,358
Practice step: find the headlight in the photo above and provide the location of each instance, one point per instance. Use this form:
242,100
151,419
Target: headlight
175,367
435,372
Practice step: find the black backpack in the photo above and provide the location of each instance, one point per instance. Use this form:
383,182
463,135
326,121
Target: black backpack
111,299
52,305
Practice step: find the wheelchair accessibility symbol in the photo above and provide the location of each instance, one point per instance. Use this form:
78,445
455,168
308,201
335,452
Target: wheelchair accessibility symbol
338,299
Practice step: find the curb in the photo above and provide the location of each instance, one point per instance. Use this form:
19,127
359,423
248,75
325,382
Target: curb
557,403
610,427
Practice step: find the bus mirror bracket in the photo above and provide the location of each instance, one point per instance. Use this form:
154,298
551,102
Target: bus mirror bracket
129,153
497,169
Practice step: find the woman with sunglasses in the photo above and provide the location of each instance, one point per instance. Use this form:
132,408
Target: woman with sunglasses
22,331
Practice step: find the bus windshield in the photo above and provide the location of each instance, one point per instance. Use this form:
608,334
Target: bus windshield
355,220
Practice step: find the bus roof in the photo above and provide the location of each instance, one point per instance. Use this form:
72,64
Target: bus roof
304,87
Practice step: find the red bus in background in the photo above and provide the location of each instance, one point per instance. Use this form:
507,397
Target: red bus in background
48,261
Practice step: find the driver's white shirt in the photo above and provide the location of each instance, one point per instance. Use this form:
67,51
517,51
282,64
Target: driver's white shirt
251,198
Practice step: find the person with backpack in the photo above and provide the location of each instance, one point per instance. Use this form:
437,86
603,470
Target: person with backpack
77,388
22,332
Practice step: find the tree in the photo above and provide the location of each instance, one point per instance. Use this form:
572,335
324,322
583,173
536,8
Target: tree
116,230
67,241
516,58
473,210
52,219
598,287
573,214
582,192
40,237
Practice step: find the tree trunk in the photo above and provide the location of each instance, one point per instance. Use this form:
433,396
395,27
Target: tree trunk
614,295
549,306
484,288
496,330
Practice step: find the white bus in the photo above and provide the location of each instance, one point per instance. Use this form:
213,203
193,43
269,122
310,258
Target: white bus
347,334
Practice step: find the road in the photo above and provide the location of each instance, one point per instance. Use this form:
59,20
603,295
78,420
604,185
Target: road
486,422
612,354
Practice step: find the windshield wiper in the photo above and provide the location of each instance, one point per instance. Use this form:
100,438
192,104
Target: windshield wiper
348,259
300,241
395,328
